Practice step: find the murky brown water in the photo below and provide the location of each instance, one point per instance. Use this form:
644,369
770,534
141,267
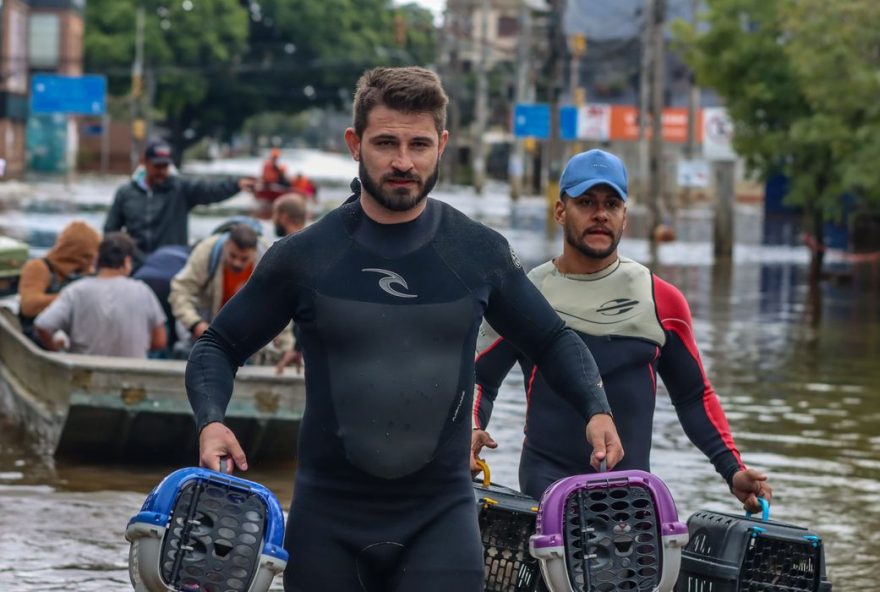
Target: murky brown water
803,402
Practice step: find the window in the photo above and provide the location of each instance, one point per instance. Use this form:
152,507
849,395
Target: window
44,41
508,26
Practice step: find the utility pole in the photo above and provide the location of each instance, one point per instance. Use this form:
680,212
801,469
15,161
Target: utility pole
558,51
724,171
658,80
690,147
138,126
577,93
450,52
516,166
481,107
647,59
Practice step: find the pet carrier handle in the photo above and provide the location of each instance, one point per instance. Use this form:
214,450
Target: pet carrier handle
224,467
484,466
765,510
603,466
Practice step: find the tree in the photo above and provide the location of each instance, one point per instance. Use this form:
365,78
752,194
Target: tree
799,80
307,54
187,46
216,62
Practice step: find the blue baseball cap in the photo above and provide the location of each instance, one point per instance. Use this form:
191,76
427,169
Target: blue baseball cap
591,168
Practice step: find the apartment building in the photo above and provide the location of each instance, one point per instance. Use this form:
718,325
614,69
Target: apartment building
36,36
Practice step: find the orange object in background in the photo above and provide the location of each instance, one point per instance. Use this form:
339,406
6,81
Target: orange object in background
625,124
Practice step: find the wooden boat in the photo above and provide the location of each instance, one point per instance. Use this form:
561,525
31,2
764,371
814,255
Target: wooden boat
104,408
13,254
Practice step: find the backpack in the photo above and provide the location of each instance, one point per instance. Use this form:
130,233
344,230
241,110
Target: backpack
223,230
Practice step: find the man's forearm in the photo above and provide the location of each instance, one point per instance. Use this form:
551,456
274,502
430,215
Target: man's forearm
570,370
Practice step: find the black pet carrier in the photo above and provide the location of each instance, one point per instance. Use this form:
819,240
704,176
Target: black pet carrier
507,520
734,553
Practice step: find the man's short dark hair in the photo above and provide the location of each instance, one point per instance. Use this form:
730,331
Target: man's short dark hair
113,250
410,90
293,206
243,236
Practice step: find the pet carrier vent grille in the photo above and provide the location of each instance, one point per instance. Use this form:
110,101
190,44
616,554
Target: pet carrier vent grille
219,530
772,564
505,535
612,540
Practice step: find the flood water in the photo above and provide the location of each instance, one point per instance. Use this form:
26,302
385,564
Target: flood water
801,392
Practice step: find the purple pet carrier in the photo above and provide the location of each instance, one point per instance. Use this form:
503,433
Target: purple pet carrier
606,532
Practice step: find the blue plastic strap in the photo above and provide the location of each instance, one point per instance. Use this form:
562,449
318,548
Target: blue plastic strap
814,540
765,510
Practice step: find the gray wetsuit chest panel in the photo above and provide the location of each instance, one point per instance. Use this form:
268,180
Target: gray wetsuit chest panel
391,421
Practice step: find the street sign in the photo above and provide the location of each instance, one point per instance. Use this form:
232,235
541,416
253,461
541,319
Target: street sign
531,120
78,95
717,134
568,122
594,122
693,173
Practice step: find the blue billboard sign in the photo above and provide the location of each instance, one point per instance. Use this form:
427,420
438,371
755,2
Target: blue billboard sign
76,95
531,120
568,122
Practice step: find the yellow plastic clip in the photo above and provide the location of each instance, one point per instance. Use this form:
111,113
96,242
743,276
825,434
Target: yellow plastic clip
484,466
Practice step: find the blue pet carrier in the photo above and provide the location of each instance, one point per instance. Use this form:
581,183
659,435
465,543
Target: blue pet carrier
203,531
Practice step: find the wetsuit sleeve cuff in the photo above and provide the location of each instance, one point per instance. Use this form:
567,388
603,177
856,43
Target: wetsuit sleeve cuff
206,417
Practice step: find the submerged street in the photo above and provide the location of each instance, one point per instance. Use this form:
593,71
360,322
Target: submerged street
802,398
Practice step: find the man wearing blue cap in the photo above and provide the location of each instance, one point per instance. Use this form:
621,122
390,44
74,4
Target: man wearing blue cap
635,324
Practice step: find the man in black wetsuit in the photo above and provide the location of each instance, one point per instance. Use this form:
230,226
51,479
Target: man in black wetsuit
636,325
388,291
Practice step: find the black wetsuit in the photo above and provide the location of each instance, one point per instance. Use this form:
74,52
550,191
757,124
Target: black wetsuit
637,325
389,316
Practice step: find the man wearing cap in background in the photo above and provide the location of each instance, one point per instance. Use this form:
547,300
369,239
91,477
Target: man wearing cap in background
633,322
153,208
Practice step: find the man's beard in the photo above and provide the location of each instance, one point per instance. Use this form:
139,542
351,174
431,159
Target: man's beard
397,200
581,245
280,230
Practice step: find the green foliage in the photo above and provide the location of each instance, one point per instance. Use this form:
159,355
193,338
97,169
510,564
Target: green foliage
216,62
184,42
305,53
799,78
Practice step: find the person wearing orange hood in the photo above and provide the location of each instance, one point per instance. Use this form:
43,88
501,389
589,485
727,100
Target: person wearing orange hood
72,257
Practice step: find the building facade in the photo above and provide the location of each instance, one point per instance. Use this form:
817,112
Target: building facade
36,36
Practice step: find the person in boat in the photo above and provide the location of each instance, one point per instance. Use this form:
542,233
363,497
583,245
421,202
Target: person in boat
157,271
274,173
304,186
215,271
72,257
153,207
388,291
109,314
289,214
636,324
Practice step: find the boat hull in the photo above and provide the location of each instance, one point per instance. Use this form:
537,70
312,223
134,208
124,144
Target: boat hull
98,407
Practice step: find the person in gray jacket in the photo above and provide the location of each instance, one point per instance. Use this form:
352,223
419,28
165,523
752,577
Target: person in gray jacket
153,208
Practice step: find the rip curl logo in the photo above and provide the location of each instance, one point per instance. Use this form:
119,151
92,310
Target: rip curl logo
391,279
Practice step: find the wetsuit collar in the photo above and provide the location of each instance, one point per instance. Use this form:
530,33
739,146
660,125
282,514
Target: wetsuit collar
397,240
589,277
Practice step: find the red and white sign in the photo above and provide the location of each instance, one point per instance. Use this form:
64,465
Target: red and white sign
594,122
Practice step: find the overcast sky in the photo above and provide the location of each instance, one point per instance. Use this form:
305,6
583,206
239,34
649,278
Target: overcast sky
435,6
